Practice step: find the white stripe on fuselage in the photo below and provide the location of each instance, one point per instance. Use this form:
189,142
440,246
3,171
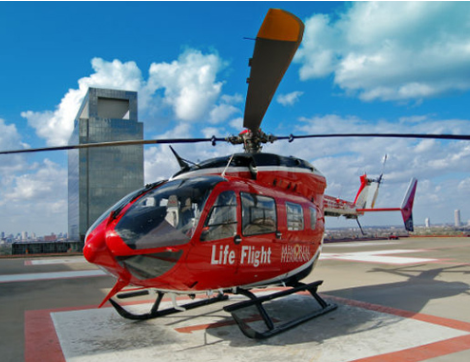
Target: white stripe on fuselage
219,170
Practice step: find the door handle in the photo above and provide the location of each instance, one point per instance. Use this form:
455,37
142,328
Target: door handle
237,239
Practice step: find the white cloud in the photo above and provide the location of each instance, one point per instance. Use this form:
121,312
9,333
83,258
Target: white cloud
189,83
226,108
189,86
9,136
221,113
232,99
10,140
36,200
289,99
46,182
390,50
56,126
237,124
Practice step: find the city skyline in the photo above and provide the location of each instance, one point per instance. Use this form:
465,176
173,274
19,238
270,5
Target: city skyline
25,236
418,223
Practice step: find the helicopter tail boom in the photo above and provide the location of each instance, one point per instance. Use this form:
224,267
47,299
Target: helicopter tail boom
352,210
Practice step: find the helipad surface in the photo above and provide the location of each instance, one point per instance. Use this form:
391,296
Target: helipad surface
355,331
405,300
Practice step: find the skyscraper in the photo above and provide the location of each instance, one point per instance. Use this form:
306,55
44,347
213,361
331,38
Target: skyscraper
457,218
100,177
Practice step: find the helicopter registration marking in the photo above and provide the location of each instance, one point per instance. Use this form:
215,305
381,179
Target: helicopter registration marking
250,255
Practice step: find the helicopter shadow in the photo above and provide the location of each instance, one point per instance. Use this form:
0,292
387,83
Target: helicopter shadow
345,320
422,286
412,295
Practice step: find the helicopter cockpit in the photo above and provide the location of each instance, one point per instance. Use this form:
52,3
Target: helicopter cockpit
166,215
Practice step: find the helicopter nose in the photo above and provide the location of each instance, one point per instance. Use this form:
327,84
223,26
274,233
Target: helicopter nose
96,251
94,245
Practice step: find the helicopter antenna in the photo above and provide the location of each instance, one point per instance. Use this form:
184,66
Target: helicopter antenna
184,164
379,181
228,164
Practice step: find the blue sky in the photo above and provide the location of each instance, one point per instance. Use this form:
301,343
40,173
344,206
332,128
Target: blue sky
362,67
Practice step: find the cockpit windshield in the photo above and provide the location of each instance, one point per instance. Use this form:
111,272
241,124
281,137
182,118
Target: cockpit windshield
167,215
118,206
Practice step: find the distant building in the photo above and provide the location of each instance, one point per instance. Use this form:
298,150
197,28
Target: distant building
100,177
49,238
457,218
427,222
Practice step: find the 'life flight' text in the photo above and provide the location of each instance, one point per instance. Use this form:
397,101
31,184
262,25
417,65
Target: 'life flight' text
250,255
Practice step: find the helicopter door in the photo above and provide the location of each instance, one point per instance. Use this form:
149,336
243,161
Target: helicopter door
219,240
260,241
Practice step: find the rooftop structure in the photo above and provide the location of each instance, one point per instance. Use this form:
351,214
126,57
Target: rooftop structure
100,177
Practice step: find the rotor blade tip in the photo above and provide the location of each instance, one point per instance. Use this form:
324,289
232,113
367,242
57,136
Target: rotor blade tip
281,25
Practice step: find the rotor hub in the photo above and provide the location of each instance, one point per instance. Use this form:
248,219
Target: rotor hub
252,140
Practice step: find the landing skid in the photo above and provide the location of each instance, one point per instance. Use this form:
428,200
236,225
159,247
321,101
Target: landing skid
271,329
155,313
247,330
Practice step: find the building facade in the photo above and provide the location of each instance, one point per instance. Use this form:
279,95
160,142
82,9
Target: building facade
457,222
427,222
98,178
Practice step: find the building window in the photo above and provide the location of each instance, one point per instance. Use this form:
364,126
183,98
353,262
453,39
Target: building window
258,214
295,216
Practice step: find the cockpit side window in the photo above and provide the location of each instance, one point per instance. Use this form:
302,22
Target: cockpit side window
258,214
222,220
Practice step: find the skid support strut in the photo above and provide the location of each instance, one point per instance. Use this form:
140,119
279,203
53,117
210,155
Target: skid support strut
272,329
155,313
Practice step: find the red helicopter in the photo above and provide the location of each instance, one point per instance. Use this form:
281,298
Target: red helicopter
229,224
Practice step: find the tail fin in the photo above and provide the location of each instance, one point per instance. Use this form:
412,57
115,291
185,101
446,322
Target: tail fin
407,205
362,197
362,194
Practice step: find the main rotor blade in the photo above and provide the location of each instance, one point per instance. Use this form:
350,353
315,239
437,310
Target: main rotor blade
276,43
115,143
214,139
380,135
